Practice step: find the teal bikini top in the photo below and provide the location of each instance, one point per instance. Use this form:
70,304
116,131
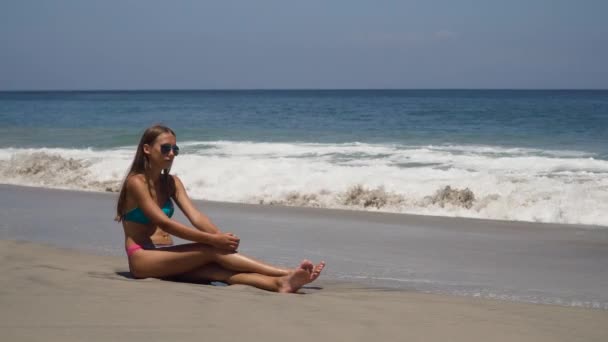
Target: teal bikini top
137,215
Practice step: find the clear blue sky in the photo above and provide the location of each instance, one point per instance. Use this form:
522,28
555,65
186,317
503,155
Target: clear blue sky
251,44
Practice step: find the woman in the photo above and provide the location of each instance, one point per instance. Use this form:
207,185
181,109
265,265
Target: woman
146,204
161,238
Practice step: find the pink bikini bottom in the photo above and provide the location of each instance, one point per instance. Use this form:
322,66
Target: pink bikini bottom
133,248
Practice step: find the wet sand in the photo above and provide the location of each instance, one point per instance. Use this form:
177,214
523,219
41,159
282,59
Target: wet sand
378,264
515,261
53,294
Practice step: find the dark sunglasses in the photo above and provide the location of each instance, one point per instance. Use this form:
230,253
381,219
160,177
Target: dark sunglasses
166,148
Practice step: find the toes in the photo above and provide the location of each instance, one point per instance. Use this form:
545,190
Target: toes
317,270
307,265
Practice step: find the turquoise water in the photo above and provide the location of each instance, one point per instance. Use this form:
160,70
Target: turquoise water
531,155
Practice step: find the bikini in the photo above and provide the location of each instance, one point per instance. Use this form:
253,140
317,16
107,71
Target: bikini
138,215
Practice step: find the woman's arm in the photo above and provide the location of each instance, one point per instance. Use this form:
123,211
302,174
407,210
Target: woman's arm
137,188
198,219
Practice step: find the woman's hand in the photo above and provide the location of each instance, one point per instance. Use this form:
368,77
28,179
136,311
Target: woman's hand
227,241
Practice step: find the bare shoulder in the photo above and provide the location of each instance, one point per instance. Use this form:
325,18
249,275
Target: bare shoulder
177,180
176,183
136,181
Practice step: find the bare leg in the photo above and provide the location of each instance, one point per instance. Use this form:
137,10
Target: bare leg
285,284
236,261
257,266
174,260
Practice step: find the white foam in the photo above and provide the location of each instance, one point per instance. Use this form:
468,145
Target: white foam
485,181
81,169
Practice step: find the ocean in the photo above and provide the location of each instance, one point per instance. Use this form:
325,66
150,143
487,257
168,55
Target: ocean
517,155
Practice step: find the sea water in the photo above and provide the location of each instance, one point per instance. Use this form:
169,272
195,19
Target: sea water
524,155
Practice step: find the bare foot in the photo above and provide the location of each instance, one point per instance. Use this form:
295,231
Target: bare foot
316,271
307,265
296,279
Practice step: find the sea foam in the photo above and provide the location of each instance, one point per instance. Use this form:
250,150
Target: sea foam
467,181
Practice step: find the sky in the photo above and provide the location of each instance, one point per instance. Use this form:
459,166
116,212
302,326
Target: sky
312,44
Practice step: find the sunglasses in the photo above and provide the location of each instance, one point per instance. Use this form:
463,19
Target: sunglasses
166,148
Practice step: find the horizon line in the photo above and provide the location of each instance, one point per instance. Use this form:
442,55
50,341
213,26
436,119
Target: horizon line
277,89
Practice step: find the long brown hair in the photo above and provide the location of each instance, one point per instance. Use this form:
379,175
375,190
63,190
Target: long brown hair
141,165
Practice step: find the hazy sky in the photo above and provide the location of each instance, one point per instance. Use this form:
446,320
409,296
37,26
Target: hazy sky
249,44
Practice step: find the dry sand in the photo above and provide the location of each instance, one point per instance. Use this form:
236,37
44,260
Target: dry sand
52,294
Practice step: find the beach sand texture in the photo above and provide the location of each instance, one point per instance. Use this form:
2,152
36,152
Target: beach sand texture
52,294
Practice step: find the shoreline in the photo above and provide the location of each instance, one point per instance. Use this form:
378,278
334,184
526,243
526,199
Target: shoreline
383,215
510,261
57,294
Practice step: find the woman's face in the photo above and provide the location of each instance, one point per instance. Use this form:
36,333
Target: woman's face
157,158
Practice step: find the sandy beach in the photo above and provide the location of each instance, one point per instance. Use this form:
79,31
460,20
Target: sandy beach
64,277
53,294
434,171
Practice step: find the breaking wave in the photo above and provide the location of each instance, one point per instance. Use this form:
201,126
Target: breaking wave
467,181
53,170
359,197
